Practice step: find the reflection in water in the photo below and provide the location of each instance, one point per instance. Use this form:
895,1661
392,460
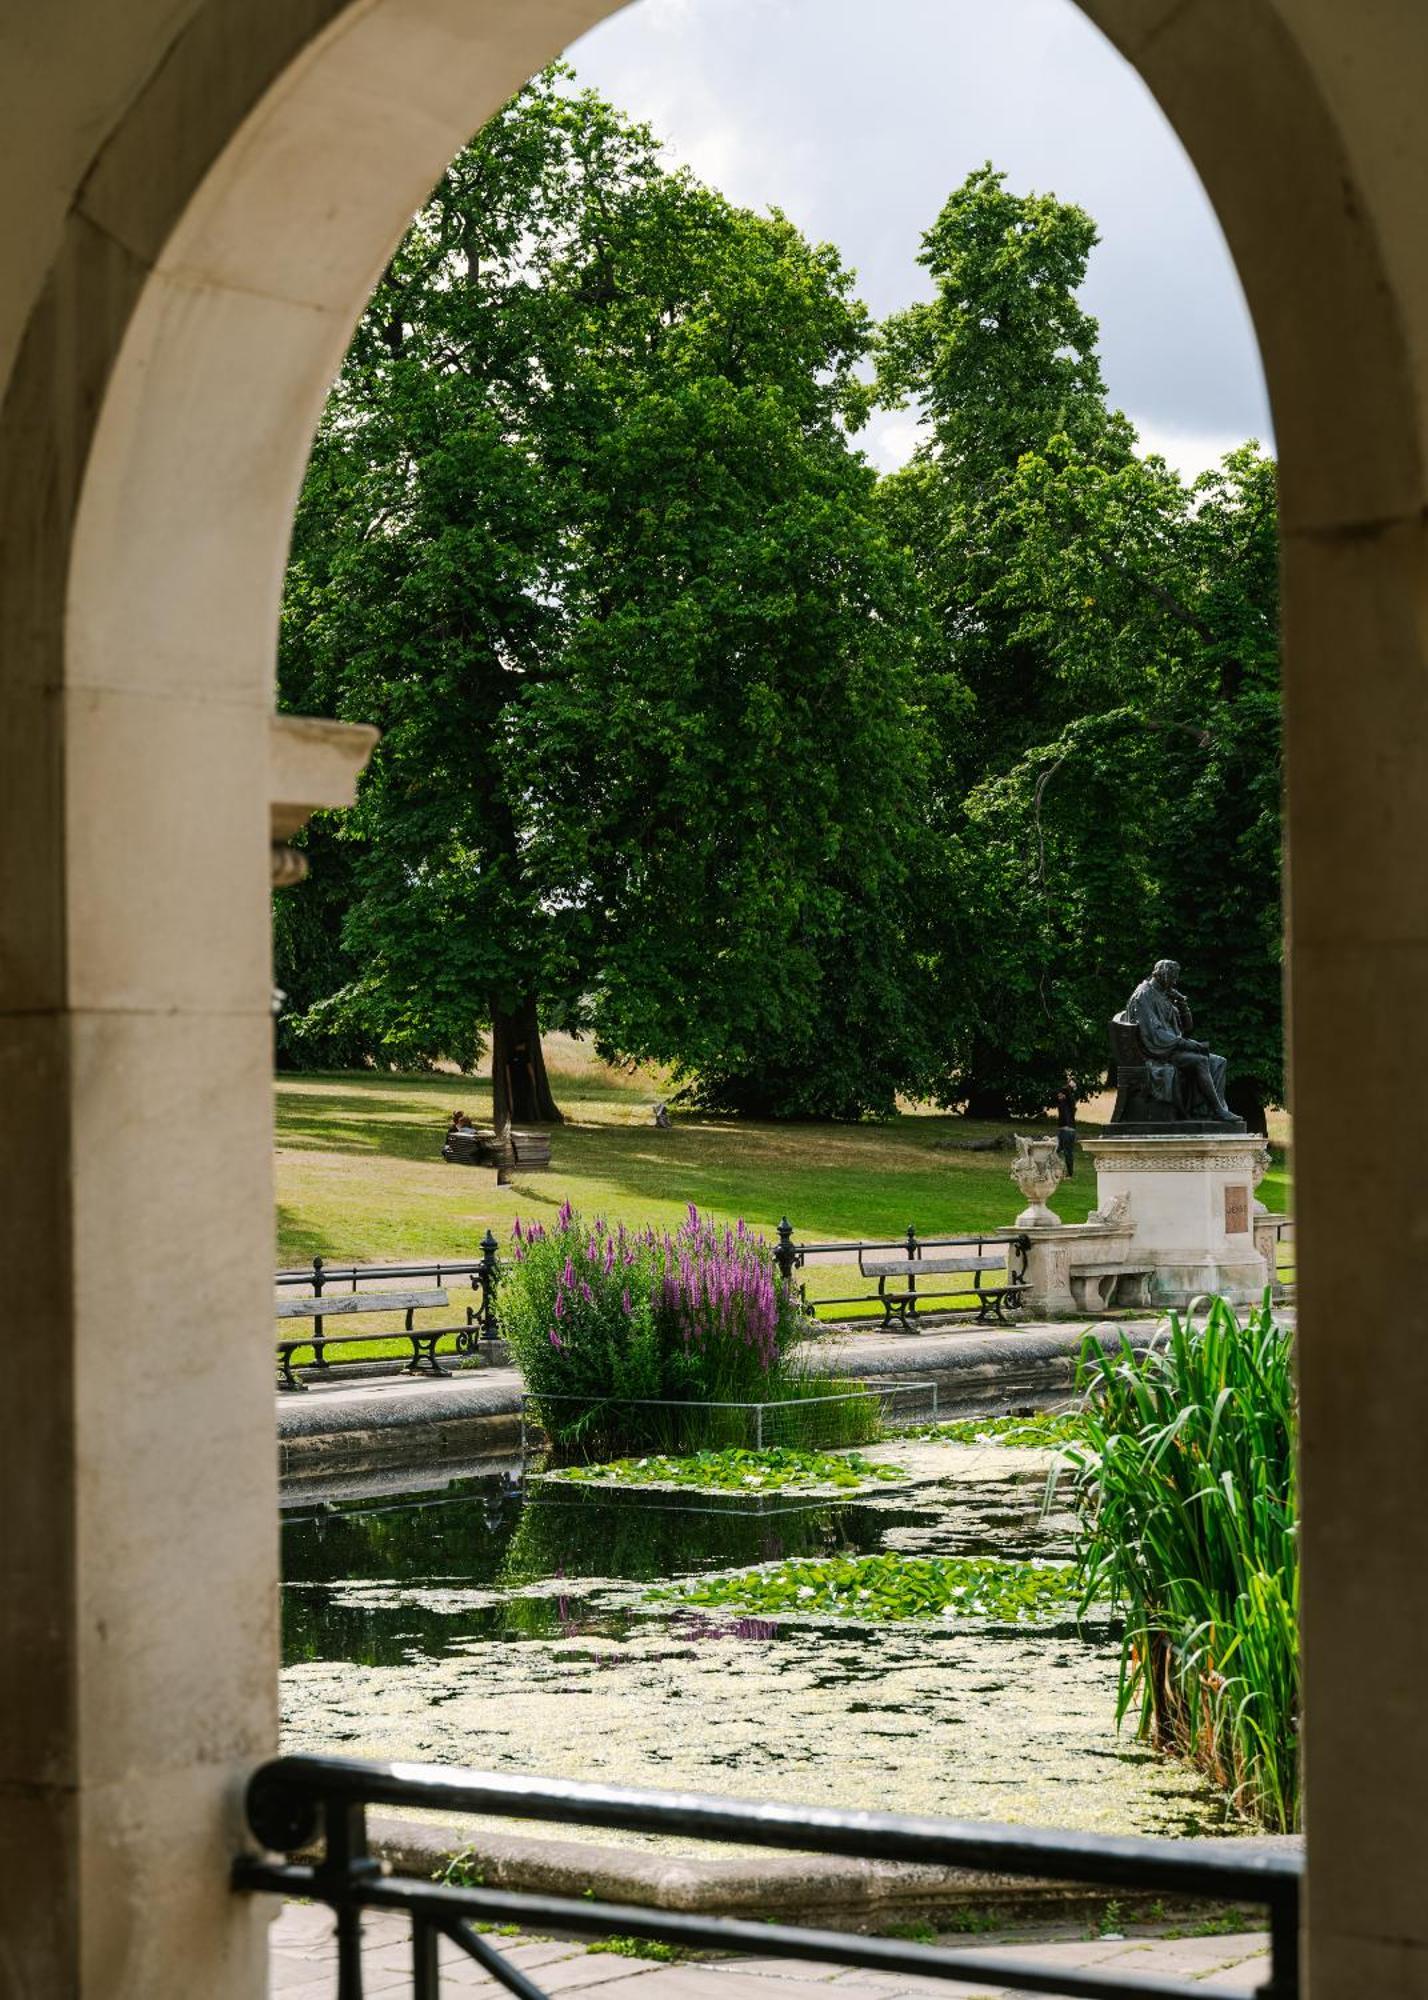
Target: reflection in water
477,1555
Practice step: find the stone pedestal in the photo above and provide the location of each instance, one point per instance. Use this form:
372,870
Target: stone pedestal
1073,1269
1190,1201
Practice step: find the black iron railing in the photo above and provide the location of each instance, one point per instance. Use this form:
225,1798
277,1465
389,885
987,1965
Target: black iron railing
971,1295
322,1279
296,1801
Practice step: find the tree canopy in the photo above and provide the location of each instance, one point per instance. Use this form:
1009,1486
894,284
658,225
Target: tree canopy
697,735
585,535
1113,795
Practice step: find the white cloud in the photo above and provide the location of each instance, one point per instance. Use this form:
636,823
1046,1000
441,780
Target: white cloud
1190,452
857,118
889,438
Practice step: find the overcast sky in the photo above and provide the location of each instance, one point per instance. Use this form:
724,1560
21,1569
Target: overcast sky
857,117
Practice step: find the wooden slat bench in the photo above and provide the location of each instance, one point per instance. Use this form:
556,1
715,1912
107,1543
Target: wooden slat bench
898,1276
519,1152
1096,1286
343,1305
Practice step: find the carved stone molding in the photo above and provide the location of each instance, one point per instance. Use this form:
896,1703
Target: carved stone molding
313,764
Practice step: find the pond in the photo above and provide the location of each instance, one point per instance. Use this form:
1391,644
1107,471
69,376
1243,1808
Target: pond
507,1623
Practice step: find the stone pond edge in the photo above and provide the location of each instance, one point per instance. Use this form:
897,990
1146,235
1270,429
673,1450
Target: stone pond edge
366,1426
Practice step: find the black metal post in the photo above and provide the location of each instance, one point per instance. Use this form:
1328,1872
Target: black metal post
317,1284
426,1972
1283,1981
911,1276
786,1257
489,1276
345,1865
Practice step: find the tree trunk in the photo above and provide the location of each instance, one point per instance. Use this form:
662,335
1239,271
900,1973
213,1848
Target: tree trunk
988,1104
520,1087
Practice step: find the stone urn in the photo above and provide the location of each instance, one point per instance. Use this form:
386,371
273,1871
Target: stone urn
1037,1170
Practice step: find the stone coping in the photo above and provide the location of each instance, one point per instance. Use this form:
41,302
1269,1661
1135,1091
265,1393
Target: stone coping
424,1426
1204,1138
976,1355
749,1883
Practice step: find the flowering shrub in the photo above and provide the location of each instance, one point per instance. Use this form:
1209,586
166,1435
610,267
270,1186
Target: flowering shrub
617,1317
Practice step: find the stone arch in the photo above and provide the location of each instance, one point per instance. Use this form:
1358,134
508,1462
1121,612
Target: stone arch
214,186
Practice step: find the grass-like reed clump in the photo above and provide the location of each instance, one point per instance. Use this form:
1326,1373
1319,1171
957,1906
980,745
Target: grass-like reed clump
1187,1498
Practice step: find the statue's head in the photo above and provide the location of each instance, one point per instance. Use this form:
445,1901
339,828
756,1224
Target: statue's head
1166,973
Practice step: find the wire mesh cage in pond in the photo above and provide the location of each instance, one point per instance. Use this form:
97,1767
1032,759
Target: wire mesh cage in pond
814,1416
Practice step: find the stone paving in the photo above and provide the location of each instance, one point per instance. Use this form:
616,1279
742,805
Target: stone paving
303,1966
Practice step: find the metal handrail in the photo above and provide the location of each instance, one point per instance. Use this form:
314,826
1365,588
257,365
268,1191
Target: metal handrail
321,1271
294,1800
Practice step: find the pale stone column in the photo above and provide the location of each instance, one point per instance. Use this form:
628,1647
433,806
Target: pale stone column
1357,652
204,193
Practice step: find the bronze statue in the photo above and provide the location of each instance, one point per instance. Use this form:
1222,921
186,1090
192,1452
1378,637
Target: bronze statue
1164,1076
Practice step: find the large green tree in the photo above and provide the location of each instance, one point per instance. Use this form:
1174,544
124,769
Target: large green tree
584,533
1114,795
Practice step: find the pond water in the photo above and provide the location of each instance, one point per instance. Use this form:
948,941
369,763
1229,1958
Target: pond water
506,1623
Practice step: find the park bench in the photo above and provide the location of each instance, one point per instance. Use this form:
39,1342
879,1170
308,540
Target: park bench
1097,1286
518,1152
899,1270
345,1305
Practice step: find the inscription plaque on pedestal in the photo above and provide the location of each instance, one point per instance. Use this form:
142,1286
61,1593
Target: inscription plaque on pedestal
1237,1211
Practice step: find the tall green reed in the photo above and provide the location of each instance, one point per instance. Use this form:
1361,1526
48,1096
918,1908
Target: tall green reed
1188,1504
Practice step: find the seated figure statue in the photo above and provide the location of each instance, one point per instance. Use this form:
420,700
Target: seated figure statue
1184,1081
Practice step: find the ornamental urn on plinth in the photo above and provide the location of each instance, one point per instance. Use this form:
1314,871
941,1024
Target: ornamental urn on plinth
1037,1170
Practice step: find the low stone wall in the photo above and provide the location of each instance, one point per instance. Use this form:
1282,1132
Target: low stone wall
844,1893
381,1423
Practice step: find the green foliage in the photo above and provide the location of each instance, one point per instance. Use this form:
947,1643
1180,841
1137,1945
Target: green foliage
605,1323
1047,1431
1114,796
584,533
777,1469
817,789
880,1588
633,1947
1187,1495
918,1931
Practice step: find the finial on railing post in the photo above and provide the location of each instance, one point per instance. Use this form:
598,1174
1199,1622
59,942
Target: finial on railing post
786,1257
490,1277
911,1242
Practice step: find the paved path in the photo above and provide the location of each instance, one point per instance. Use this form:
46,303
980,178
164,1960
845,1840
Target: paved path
304,1966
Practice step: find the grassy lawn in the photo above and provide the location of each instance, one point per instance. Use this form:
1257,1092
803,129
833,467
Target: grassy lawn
360,1176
